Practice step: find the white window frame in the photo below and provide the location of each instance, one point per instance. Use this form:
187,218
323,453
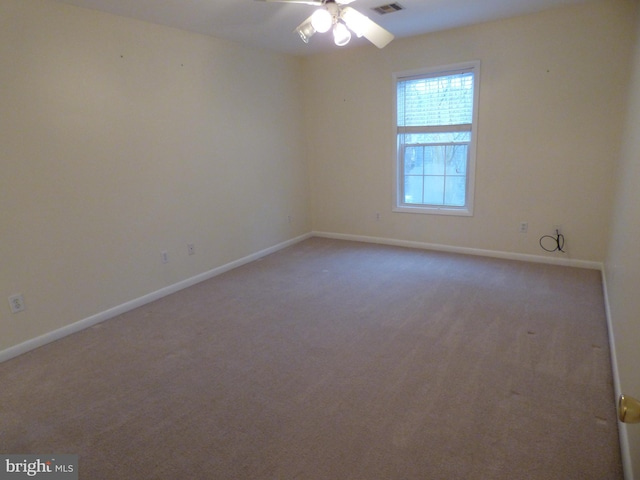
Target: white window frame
398,176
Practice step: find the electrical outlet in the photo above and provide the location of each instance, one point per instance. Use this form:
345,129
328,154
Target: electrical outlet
191,248
17,303
165,256
524,227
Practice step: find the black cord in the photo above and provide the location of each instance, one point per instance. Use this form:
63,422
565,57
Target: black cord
558,239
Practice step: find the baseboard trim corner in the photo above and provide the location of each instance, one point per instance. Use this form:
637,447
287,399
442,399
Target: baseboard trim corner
80,325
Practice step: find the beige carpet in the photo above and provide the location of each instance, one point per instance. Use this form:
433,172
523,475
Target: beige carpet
334,360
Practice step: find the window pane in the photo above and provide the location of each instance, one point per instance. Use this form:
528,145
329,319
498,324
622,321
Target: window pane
413,189
413,160
434,160
434,190
435,175
457,159
455,188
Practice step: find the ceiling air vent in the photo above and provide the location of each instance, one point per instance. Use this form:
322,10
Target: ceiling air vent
389,8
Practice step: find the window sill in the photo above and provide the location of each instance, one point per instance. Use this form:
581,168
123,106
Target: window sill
459,212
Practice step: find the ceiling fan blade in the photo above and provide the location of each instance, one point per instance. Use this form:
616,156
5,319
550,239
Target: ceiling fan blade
363,26
305,2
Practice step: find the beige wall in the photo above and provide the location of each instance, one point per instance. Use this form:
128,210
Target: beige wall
120,139
622,265
552,89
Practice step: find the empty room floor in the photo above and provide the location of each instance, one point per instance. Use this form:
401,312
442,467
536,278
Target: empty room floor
334,360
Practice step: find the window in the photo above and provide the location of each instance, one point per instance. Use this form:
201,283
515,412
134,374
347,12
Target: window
436,115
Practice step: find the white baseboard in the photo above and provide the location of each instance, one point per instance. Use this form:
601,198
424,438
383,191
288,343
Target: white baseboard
567,262
49,337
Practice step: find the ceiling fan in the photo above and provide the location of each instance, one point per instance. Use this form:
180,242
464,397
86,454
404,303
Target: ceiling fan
335,15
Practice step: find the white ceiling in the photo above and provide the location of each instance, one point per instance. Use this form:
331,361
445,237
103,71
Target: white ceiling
271,25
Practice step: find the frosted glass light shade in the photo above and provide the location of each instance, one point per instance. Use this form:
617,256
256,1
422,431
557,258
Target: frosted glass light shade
306,31
321,20
341,34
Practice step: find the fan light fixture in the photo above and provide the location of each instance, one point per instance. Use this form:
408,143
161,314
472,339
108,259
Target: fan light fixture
323,19
335,15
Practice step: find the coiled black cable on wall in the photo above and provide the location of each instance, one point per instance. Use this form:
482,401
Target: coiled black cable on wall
558,242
